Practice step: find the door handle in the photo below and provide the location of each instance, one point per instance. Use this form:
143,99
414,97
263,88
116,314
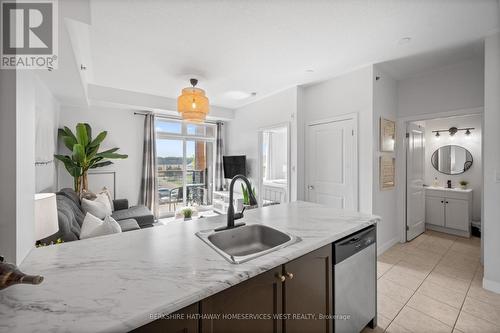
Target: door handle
310,187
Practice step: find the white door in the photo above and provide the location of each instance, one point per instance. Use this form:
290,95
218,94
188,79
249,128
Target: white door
331,164
415,194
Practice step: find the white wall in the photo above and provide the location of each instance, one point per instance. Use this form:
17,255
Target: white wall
8,164
384,202
46,107
25,163
472,143
453,87
125,131
491,165
241,132
349,93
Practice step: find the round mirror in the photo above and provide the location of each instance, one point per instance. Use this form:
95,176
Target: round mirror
451,159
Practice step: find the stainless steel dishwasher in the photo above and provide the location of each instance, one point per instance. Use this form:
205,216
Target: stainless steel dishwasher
355,281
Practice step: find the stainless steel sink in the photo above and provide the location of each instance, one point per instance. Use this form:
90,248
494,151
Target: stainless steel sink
248,242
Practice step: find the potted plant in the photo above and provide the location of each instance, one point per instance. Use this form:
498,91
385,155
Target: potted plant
246,195
85,153
463,184
188,213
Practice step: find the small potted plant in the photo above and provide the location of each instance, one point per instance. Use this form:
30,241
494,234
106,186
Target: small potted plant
463,184
188,213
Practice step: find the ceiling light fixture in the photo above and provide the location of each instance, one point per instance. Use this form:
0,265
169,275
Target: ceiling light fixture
192,104
404,40
453,130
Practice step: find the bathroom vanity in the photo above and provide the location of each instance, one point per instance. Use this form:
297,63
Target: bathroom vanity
448,210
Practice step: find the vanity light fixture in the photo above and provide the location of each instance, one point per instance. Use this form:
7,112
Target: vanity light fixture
453,130
192,104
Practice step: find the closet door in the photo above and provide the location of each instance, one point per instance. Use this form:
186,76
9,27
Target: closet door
434,211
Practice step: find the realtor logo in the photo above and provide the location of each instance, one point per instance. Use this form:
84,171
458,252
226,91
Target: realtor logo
29,34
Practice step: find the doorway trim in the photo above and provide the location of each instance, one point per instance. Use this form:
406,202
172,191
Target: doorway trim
347,116
401,143
260,133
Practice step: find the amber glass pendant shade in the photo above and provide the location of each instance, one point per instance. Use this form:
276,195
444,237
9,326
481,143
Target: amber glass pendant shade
193,105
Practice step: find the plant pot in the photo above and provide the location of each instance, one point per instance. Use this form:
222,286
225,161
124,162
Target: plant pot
188,218
463,187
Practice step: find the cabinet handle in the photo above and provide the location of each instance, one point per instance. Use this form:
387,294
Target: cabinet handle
281,277
446,202
289,275
442,201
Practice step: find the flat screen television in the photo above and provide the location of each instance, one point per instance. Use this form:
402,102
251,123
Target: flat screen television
234,165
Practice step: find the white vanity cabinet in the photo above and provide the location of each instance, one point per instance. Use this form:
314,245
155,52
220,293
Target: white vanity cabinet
448,210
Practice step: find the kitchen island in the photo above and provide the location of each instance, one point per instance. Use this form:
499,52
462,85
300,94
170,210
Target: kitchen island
120,282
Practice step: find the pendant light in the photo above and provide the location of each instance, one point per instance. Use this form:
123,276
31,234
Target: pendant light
192,104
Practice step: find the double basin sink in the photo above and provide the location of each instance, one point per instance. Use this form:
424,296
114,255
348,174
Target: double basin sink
247,242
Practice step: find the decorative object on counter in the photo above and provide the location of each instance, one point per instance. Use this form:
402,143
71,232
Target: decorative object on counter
246,195
463,184
58,241
387,165
448,183
85,153
387,135
46,221
451,159
11,275
435,183
188,213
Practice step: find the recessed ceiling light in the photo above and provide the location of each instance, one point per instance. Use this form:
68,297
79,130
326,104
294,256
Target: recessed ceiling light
404,40
238,95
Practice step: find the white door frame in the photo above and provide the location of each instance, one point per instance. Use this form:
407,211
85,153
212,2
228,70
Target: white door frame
260,132
401,143
347,116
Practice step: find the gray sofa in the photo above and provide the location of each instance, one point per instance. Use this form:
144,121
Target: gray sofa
71,215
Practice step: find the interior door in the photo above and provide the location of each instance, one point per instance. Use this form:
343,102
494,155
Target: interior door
331,163
415,193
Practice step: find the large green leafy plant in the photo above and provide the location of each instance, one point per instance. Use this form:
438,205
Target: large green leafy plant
85,153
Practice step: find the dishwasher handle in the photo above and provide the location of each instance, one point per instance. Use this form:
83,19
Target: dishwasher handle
353,244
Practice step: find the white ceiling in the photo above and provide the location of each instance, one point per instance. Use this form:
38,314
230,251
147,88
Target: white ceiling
266,46
421,63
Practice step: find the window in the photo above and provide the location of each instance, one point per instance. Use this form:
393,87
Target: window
185,157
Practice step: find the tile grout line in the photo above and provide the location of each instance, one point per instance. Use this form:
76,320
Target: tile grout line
466,293
406,303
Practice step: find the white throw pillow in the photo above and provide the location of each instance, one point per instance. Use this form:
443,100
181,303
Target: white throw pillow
93,226
100,207
108,194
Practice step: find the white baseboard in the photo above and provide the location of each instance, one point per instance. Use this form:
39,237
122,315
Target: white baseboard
387,245
490,285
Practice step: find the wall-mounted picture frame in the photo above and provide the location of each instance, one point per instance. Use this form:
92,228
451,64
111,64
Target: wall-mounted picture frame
387,167
387,135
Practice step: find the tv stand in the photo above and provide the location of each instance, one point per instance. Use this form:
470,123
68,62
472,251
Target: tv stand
220,202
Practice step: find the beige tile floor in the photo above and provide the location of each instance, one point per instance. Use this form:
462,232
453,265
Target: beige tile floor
433,284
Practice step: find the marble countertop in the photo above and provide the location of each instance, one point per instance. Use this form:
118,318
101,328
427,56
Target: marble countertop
115,283
455,189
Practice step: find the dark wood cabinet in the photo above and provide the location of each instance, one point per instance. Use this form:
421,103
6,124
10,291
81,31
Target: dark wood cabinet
287,299
178,322
307,292
260,297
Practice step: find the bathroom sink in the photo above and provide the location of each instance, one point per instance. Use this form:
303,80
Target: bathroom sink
247,242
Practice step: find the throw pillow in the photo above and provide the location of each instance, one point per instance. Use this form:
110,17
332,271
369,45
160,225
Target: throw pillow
87,195
108,194
99,207
93,226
